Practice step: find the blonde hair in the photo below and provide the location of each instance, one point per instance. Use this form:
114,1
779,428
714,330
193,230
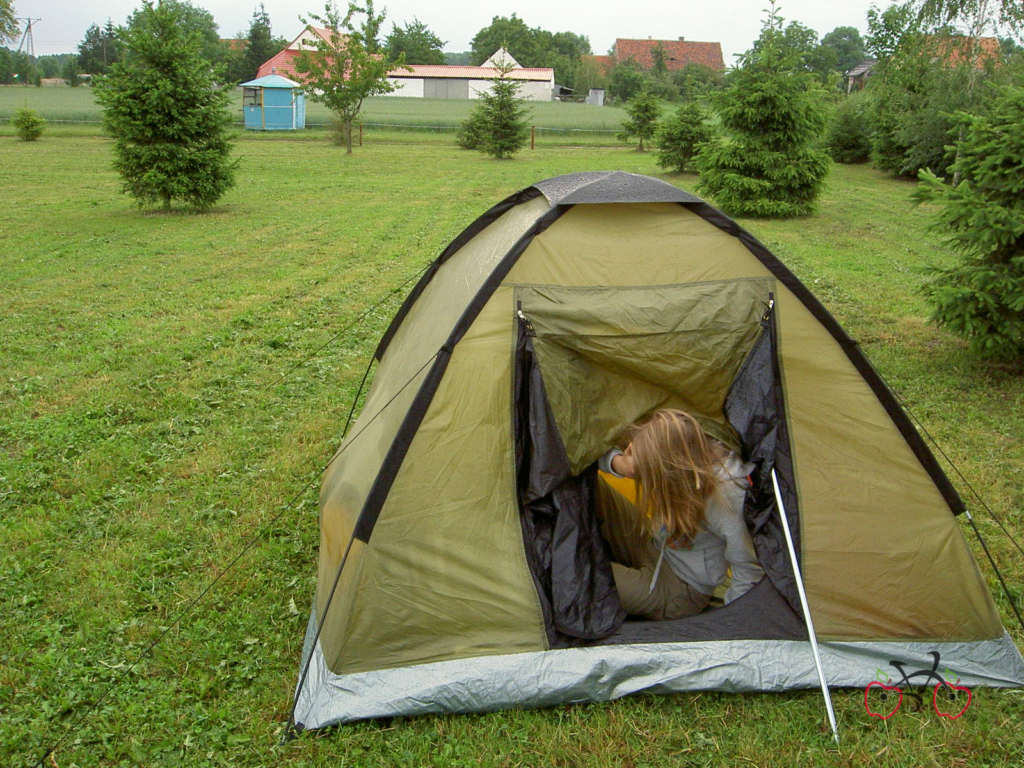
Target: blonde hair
675,472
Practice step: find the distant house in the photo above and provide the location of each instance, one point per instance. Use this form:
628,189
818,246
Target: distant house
429,81
857,77
677,54
283,62
954,51
436,81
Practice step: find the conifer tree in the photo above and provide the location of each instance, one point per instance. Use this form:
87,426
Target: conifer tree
260,44
643,114
497,125
168,116
771,112
982,217
681,136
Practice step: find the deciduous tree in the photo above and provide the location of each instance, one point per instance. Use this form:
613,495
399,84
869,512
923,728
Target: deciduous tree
416,42
342,71
848,45
196,22
168,116
8,22
532,46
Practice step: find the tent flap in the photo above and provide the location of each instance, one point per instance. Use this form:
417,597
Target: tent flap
568,557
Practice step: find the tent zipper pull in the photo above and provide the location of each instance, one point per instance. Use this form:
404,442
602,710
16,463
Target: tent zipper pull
526,323
769,307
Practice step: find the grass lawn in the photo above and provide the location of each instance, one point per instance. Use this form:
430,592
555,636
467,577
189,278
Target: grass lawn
152,420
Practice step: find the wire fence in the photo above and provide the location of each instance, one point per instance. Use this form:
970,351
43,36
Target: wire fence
391,131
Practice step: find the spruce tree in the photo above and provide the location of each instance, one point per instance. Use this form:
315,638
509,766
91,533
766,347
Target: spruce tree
643,114
681,136
982,217
168,116
772,112
497,125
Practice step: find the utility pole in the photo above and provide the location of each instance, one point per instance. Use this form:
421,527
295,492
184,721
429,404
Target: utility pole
28,44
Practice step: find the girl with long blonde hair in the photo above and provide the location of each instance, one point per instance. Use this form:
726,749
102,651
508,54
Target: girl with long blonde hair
688,516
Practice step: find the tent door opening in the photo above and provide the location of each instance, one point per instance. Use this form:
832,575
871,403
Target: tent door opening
590,361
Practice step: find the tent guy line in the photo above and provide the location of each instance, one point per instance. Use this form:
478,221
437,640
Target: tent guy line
964,480
970,519
196,601
291,730
999,575
483,583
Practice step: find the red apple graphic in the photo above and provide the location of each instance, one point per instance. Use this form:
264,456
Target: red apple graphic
885,689
950,697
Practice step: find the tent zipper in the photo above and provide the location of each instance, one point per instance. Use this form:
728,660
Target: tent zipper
523,321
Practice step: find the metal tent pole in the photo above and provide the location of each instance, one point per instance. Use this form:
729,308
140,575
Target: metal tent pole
806,608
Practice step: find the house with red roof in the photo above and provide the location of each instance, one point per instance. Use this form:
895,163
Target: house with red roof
677,54
429,81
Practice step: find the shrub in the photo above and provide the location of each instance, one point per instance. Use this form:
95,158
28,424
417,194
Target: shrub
28,124
849,133
473,130
680,137
982,218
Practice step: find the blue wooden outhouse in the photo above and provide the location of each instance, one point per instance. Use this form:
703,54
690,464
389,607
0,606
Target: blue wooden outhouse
273,103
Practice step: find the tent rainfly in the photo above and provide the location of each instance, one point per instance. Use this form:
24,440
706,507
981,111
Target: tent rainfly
460,567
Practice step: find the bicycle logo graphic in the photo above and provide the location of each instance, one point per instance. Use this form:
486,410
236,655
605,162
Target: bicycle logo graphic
946,696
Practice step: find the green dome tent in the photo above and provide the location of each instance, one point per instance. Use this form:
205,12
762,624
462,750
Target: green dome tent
460,567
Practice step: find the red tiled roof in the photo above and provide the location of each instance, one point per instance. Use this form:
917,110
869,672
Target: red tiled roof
957,50
604,63
282,64
678,53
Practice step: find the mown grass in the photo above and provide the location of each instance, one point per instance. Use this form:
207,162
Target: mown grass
152,421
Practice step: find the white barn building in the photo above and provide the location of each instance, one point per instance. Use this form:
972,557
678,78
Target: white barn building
435,81
431,81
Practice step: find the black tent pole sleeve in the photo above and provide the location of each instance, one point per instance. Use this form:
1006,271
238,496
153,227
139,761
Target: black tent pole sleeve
418,410
850,347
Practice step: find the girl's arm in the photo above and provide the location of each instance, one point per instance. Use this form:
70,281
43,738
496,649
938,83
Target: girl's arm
726,508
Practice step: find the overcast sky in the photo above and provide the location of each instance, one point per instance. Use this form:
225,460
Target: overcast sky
733,23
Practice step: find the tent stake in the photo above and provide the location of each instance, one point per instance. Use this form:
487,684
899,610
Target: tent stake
806,608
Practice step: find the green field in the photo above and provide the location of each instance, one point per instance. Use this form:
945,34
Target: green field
171,385
76,105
